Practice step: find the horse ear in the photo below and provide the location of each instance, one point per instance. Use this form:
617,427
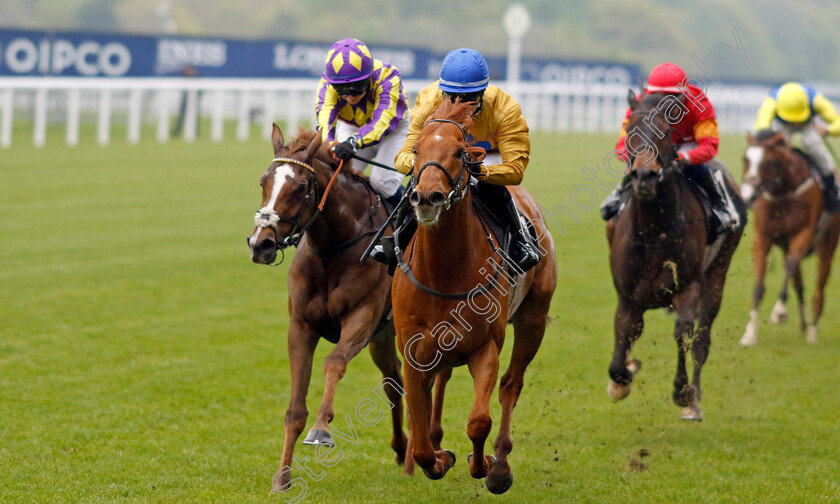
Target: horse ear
750,138
779,139
313,147
277,139
632,100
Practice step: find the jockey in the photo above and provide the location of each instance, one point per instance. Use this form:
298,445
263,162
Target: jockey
362,109
695,136
792,109
498,126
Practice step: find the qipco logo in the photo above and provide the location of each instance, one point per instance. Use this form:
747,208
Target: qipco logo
90,58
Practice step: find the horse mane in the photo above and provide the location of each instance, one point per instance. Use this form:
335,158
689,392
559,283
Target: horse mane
302,140
458,112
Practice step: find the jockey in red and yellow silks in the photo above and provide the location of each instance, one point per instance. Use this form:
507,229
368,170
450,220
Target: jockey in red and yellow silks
695,136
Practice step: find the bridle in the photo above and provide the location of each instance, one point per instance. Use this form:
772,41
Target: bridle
269,218
459,188
458,185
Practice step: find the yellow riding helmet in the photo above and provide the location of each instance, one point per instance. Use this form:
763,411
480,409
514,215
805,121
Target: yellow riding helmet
792,103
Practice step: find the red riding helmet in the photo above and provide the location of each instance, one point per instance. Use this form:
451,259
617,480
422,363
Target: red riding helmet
666,78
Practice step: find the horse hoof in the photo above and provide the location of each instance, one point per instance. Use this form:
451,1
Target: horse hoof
451,458
692,413
812,334
748,340
684,397
317,437
618,392
779,314
499,485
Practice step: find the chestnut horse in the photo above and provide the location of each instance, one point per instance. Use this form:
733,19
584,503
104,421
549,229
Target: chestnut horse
453,298
331,295
787,212
659,255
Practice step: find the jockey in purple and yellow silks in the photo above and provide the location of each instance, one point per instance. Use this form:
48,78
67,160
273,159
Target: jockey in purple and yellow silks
792,109
362,109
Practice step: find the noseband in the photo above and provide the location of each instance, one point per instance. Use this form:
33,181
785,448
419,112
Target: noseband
269,218
468,165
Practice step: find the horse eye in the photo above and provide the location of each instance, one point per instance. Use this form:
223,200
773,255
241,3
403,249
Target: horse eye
301,187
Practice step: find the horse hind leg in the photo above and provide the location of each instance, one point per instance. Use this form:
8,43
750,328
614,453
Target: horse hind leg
384,354
799,289
825,255
628,328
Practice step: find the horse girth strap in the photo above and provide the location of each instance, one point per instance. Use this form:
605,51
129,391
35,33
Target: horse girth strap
799,191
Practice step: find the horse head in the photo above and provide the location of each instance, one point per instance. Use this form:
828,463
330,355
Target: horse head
289,195
444,161
648,140
767,163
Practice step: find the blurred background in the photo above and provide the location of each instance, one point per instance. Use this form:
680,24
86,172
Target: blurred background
257,61
786,40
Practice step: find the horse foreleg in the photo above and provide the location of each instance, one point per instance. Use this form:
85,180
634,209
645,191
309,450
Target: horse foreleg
301,349
384,354
418,388
825,255
760,249
529,328
436,428
685,304
628,324
355,333
484,368
797,249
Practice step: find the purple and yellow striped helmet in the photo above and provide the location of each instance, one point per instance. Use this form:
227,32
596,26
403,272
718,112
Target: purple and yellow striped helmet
348,60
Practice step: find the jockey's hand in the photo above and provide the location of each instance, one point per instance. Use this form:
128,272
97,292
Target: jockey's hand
481,172
346,149
681,162
822,130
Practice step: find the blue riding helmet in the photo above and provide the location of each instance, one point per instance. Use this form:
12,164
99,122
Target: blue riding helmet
464,71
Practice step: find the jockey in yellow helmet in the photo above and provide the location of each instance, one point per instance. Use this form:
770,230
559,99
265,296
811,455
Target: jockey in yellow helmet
792,109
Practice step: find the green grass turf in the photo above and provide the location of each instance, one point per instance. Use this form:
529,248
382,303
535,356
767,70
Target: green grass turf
143,356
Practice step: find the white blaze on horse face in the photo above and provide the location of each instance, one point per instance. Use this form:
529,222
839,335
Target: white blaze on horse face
754,155
282,174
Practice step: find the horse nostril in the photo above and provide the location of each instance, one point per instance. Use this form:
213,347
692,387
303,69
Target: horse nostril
437,199
414,199
265,246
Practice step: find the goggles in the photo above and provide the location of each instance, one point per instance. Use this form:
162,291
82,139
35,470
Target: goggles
351,88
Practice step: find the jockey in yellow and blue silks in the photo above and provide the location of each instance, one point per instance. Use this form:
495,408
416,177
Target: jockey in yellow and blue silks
498,126
362,109
792,109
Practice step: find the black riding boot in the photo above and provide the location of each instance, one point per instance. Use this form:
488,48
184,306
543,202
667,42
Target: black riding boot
500,202
702,176
384,251
831,204
612,203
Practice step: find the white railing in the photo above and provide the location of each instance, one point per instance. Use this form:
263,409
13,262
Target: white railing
156,101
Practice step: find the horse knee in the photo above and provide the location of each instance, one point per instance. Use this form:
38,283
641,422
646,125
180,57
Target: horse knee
478,427
335,366
296,419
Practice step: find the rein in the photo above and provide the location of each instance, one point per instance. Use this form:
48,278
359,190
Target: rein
799,191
